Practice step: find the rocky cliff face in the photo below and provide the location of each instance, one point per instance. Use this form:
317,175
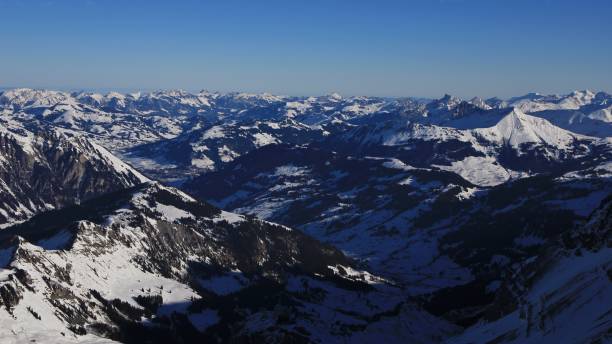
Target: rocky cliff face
152,264
45,168
472,210
562,295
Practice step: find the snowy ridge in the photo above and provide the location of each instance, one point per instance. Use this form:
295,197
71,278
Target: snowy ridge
48,168
138,251
572,101
160,131
457,205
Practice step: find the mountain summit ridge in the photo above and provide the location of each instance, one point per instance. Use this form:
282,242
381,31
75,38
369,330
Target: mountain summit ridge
303,219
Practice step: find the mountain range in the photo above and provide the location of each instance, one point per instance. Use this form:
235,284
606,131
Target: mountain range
229,217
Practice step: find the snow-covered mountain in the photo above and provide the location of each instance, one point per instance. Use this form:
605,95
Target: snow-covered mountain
428,229
209,147
174,134
581,111
535,102
44,168
486,147
431,218
151,264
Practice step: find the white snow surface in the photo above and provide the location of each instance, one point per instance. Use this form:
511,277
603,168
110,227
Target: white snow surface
481,171
517,128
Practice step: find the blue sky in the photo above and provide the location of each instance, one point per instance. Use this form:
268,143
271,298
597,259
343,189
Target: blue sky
305,47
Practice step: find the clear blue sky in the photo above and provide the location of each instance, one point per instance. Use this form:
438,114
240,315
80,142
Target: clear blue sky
376,47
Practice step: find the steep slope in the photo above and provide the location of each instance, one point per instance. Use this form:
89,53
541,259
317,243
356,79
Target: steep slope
535,102
582,112
175,134
447,200
151,264
563,295
516,129
578,122
432,231
485,147
45,168
366,207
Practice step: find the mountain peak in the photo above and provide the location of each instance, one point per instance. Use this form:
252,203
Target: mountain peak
334,96
480,103
517,128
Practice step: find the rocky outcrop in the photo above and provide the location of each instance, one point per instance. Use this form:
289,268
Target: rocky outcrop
152,264
45,168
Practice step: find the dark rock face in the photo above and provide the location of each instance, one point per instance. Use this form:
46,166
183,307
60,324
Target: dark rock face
224,143
193,273
9,296
476,211
352,202
48,169
569,279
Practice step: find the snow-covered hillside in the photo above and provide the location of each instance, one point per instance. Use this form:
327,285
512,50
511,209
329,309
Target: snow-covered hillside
152,264
175,134
43,168
561,296
419,220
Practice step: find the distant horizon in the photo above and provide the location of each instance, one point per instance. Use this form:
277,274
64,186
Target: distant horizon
126,91
387,48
